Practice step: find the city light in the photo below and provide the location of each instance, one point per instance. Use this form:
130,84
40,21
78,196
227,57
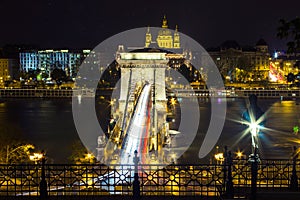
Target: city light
173,101
275,74
239,154
111,102
219,157
36,157
130,128
254,128
89,157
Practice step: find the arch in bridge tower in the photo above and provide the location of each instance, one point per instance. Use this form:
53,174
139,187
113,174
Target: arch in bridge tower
139,67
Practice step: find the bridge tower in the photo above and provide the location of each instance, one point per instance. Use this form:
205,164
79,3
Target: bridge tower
137,67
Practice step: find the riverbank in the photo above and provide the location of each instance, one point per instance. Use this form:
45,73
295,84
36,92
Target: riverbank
203,93
233,93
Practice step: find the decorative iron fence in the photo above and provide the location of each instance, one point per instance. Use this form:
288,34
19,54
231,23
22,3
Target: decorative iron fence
182,180
91,179
231,179
272,175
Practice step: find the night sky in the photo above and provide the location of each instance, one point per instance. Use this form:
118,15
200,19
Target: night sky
85,23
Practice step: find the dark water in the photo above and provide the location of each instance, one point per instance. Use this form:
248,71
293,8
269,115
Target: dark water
276,141
48,124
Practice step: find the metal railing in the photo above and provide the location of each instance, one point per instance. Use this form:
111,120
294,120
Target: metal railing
182,180
230,179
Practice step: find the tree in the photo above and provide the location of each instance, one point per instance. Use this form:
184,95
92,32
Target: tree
244,64
290,77
58,75
30,74
18,153
290,30
13,147
80,154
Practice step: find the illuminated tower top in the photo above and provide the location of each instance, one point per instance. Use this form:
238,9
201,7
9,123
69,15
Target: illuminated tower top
164,22
176,43
148,38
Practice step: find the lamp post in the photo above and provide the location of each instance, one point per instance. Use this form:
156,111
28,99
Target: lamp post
294,177
254,118
254,158
136,182
43,183
36,157
254,130
228,174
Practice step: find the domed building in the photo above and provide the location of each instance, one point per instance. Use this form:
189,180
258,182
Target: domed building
262,46
165,38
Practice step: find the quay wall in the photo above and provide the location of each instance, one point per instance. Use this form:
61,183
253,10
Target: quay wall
68,93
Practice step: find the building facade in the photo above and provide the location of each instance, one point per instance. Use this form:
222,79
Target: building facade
29,61
47,60
242,64
8,69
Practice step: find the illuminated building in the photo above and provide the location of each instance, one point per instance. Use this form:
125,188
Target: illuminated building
28,61
233,61
165,38
47,60
96,61
62,59
7,69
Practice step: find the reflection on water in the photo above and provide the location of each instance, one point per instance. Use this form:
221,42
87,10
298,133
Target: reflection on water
49,125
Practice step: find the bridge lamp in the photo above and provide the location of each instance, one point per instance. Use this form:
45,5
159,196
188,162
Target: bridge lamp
173,101
112,102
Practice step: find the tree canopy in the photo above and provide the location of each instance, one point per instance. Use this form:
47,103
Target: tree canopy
290,30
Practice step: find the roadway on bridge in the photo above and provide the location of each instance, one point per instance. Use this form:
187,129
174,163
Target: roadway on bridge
137,135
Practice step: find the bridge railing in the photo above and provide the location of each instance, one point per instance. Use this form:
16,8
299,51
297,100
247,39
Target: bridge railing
182,180
177,180
272,175
87,179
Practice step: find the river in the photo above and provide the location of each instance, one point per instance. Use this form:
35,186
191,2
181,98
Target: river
48,124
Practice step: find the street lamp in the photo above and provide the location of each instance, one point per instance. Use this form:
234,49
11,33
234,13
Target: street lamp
36,157
89,158
219,157
254,158
254,118
254,130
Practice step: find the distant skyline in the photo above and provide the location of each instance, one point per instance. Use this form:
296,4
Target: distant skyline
85,24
